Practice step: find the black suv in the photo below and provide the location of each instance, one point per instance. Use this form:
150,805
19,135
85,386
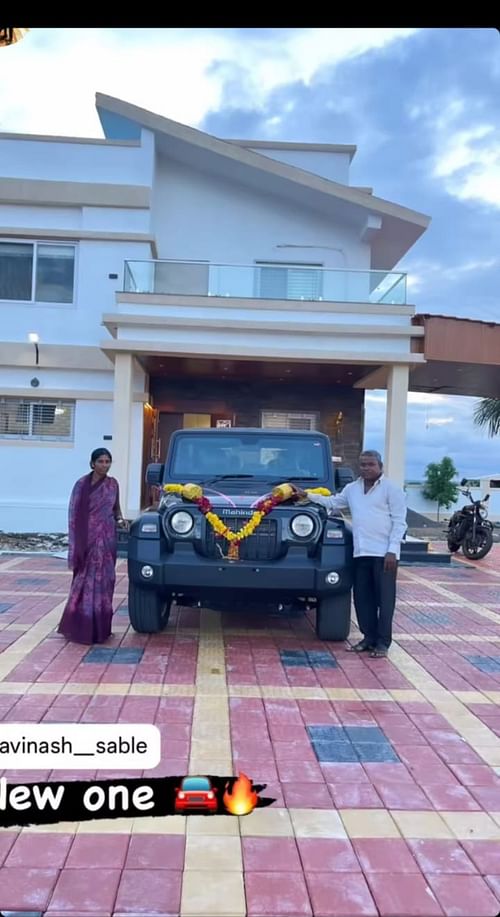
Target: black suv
298,555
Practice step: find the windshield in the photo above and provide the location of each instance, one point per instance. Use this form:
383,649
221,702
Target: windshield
196,783
280,456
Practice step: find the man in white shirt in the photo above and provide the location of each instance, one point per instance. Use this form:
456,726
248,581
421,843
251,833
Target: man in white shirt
378,512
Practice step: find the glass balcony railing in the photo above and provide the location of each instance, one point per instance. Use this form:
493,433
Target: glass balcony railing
264,281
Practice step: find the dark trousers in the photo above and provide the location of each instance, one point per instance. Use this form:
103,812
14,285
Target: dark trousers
374,600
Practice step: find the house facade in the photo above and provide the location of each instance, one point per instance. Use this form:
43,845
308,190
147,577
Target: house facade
163,278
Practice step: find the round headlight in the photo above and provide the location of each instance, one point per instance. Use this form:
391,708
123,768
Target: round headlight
483,512
302,526
181,522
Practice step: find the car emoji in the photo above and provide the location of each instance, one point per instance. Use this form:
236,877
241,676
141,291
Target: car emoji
196,794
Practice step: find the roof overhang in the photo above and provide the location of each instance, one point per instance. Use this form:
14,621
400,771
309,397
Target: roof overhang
400,228
462,358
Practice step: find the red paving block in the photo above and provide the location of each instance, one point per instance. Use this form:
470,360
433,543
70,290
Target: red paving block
487,796
26,889
306,795
402,796
475,774
149,892
387,855
494,883
318,712
321,854
485,854
270,854
7,839
349,897
345,773
175,710
153,851
457,754
295,771
451,798
400,895
461,896
98,851
43,851
276,894
355,796
294,734
442,856
388,772
85,890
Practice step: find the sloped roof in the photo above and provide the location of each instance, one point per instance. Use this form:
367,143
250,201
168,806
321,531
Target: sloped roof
401,226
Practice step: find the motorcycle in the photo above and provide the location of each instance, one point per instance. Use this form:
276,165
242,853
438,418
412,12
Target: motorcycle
470,529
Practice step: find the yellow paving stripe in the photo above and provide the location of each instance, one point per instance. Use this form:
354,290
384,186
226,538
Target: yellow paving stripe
212,881
280,822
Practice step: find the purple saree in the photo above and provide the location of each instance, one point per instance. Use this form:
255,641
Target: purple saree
92,557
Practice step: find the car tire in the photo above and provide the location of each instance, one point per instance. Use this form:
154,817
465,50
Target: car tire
333,617
148,610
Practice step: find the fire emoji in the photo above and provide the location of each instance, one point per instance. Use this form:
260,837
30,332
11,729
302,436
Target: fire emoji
242,799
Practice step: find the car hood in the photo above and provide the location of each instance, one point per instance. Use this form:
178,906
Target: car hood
239,503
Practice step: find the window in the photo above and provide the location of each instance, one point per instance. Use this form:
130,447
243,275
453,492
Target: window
278,280
283,420
37,272
39,420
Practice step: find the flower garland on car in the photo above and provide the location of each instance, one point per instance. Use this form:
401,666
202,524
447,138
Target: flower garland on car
194,493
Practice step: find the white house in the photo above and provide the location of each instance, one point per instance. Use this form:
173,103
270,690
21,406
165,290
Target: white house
176,279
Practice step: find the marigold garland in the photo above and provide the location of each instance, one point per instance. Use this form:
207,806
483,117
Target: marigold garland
194,493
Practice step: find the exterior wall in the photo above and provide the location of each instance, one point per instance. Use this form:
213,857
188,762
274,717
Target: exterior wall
200,217
80,321
334,166
37,478
78,160
246,401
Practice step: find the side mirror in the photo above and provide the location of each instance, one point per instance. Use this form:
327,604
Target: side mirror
463,482
154,474
487,497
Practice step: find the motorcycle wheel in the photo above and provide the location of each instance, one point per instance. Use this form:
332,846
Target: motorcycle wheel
476,549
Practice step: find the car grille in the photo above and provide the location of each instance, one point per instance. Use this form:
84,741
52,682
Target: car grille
259,546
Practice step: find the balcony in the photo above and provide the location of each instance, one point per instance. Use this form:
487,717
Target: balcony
264,280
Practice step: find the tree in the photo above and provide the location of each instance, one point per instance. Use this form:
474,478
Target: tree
487,414
438,485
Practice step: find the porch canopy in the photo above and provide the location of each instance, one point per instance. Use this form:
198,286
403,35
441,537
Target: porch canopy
462,358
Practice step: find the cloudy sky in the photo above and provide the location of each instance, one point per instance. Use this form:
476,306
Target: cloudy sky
421,105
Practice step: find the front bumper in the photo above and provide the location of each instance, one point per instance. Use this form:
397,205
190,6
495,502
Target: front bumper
185,571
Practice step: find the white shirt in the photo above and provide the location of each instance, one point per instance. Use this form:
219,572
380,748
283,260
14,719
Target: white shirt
378,516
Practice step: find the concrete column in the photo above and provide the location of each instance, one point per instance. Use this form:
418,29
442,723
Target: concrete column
122,425
395,423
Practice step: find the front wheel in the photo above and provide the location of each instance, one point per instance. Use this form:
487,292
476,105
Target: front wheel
478,547
148,610
333,617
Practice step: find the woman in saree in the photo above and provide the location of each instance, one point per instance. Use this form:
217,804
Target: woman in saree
94,511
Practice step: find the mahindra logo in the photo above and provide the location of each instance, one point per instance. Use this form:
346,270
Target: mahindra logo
236,512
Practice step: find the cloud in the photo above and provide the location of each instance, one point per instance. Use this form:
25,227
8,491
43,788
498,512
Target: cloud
437,425
439,421
179,73
470,164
